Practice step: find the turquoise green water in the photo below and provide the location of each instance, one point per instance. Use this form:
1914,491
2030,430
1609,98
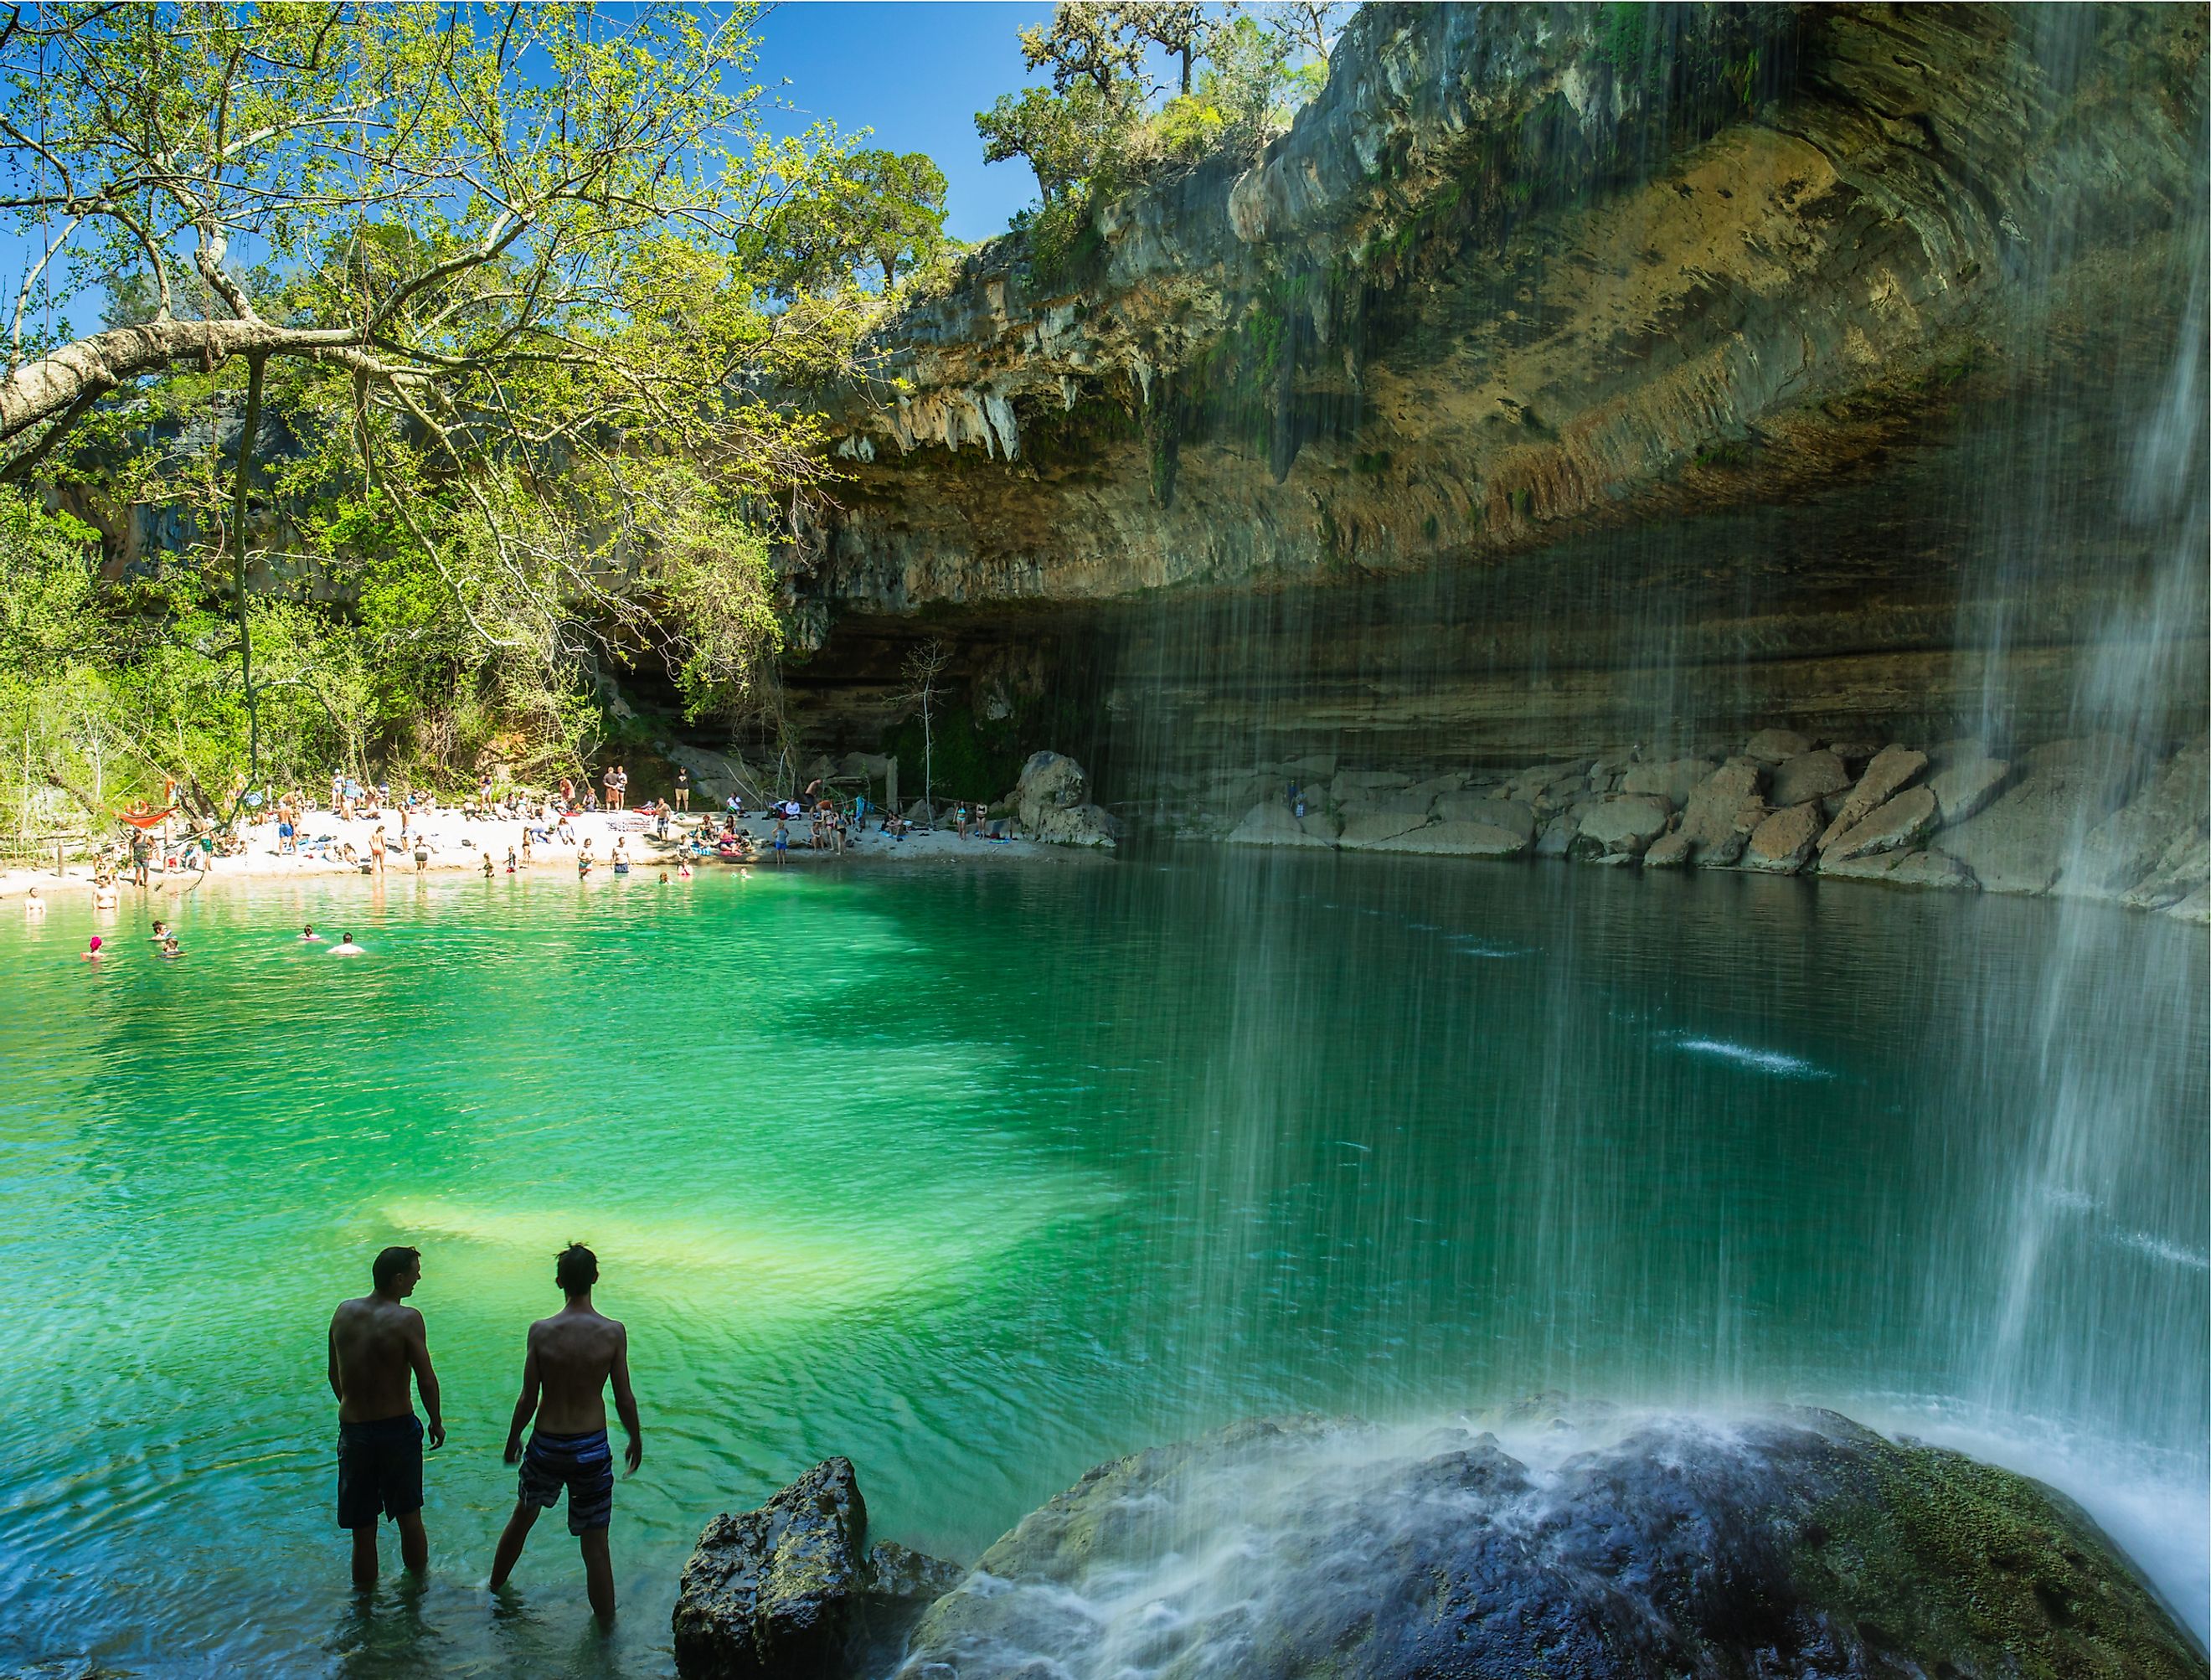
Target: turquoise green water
979,1175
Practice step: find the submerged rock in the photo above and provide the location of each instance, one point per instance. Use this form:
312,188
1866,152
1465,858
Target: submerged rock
787,1592
1801,1545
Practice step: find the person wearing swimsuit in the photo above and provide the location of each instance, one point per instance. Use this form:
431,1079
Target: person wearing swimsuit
569,1361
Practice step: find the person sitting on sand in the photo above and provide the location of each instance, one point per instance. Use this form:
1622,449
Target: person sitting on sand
377,1343
309,936
562,831
345,947
569,1361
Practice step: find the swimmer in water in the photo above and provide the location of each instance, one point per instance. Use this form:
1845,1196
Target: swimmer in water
35,907
345,947
160,930
683,869
308,935
664,877
103,895
92,954
486,866
169,947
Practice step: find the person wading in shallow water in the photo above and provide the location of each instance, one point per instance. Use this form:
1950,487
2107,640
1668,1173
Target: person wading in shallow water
376,1342
572,1357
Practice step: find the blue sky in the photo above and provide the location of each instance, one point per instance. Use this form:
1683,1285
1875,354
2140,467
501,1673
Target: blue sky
916,71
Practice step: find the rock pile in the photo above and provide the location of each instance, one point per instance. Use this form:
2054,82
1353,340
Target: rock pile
1801,1544
2091,817
792,1592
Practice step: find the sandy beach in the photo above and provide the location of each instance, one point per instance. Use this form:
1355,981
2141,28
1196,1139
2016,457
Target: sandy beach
459,844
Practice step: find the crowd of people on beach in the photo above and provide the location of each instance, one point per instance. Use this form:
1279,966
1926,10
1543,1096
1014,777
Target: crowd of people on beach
567,823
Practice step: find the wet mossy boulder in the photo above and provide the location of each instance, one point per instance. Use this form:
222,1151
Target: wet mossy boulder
1801,1545
791,1592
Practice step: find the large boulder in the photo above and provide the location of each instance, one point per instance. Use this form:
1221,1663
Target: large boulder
1800,1545
1890,770
1965,779
2170,810
1669,851
1782,844
1456,840
1929,868
1274,824
1364,783
1372,829
1619,825
1672,781
1899,824
1776,746
1510,814
1050,803
1714,817
2021,840
791,1592
1807,777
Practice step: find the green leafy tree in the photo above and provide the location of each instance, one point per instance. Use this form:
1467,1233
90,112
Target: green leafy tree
495,266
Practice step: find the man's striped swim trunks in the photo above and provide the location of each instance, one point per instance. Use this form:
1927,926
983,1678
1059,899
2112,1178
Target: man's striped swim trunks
583,1464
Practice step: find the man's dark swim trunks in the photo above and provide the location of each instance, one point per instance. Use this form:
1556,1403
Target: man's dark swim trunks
379,1470
584,1464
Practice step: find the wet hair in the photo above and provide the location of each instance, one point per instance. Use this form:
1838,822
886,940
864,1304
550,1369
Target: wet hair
576,1268
391,1262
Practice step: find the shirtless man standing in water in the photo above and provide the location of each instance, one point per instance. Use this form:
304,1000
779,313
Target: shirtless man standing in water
572,1356
376,1344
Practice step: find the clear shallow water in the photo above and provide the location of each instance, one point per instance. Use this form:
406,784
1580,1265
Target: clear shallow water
982,1175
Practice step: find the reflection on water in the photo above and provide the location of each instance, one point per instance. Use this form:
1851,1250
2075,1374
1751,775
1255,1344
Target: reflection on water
981,1176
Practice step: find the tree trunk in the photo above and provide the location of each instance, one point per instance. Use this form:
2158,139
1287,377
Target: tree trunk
258,366
90,368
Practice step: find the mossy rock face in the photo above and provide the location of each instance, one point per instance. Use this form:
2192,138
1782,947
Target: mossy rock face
1801,1545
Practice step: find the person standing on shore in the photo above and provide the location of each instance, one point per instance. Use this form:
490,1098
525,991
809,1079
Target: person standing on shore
569,1361
376,1344
682,788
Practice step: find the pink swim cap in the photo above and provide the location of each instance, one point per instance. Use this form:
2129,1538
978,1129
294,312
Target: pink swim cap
95,942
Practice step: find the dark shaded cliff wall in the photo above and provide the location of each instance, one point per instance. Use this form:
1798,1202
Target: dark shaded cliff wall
1568,377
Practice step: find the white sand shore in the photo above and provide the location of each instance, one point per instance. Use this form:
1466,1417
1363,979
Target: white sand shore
459,844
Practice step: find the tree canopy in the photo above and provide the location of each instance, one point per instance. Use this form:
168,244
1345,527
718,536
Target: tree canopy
510,284
1239,71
